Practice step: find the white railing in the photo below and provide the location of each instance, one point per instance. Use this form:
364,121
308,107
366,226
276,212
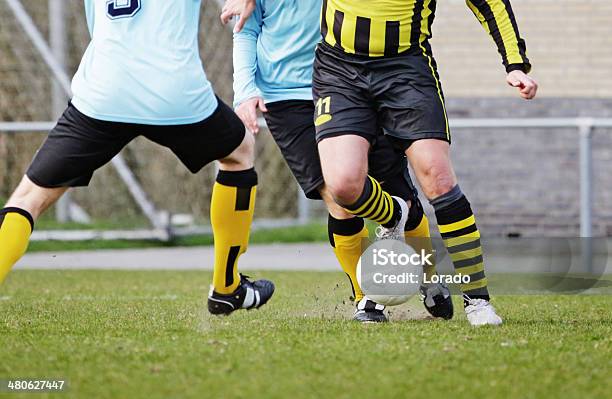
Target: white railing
584,128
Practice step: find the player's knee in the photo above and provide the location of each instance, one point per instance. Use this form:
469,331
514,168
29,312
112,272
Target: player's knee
345,188
243,156
32,198
438,181
333,208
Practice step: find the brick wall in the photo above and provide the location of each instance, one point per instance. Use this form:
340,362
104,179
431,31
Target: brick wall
527,181
568,41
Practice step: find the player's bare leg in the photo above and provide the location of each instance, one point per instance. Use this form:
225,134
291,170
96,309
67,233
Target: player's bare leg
232,206
344,161
17,219
33,198
430,159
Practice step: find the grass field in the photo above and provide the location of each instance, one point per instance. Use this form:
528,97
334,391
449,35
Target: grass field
148,335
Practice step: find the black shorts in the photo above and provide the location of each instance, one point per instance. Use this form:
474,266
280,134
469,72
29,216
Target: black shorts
290,123
357,95
79,145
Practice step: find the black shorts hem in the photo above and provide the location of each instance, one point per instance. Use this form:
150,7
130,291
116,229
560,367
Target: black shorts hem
346,132
312,190
403,141
69,184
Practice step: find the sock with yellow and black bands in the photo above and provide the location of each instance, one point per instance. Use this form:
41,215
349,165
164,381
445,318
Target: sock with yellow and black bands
376,205
346,237
16,226
231,215
417,235
462,240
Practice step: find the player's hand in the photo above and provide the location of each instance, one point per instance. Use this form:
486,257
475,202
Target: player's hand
232,8
527,86
247,112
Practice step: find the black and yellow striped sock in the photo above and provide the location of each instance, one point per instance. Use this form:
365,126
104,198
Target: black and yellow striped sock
231,215
462,240
346,237
16,226
417,234
376,205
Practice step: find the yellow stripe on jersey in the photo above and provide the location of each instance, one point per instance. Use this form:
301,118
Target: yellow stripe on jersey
347,35
497,18
507,32
382,28
389,27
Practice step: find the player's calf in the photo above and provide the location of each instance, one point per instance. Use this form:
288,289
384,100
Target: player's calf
17,220
461,237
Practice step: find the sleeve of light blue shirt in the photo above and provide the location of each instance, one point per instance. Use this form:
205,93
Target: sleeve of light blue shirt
245,57
90,7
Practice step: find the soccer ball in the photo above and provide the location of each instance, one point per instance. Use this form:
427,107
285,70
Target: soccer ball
384,299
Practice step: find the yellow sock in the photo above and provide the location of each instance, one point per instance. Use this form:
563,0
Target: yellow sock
420,238
231,215
15,229
346,238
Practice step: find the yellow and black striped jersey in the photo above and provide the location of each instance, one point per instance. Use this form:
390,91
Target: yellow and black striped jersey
378,28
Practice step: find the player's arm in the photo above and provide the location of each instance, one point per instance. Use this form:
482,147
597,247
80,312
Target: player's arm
247,97
90,14
497,17
242,8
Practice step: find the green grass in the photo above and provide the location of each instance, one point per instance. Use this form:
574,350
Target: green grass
148,335
314,232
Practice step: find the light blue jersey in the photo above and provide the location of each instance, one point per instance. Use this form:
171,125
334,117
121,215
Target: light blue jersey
274,52
143,64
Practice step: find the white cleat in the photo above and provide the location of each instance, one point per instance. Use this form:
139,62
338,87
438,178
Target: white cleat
481,313
396,232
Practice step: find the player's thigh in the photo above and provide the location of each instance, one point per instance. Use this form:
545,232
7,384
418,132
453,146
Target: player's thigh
215,138
344,161
291,126
76,147
431,162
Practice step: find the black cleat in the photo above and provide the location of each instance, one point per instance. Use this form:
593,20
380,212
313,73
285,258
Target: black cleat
369,311
437,300
249,295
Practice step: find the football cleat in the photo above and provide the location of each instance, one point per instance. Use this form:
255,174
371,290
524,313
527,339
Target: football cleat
437,300
480,313
396,232
248,295
369,311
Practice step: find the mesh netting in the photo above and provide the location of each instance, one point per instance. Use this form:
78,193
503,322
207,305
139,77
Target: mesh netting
26,95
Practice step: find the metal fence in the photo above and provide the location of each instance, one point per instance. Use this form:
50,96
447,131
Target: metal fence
584,129
41,42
